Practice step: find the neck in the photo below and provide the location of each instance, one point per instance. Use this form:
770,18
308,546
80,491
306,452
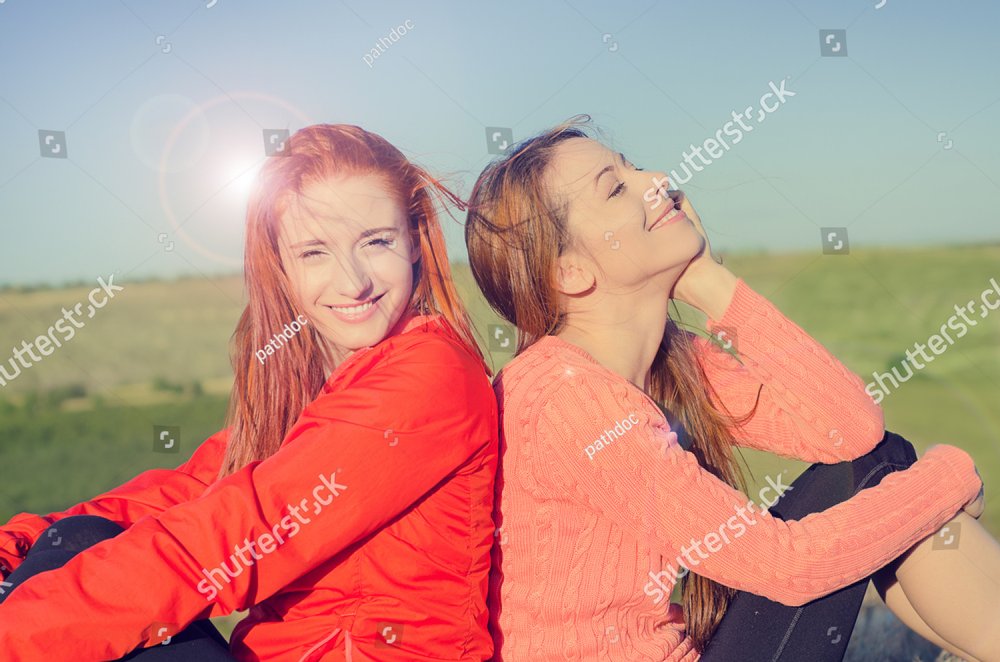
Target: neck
623,333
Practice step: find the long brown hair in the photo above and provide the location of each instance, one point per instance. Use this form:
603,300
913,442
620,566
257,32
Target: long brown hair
266,400
514,232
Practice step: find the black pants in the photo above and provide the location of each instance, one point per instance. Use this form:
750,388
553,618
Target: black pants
755,628
199,642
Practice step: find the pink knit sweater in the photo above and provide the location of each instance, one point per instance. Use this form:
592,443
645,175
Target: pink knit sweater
597,504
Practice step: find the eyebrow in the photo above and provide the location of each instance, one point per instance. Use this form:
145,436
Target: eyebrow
607,168
364,235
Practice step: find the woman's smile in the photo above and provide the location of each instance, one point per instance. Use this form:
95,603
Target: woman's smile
356,312
668,217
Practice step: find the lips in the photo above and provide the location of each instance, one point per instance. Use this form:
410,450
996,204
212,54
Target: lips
678,215
356,308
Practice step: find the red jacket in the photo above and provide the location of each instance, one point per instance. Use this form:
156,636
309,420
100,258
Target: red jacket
365,537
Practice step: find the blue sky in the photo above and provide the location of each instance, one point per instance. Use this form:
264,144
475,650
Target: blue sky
163,105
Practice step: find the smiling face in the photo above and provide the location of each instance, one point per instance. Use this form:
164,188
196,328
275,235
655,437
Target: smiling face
621,238
345,245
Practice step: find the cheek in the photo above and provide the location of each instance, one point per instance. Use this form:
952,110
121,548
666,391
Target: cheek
393,268
306,285
397,265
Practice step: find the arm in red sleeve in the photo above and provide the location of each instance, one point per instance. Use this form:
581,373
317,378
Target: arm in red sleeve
149,493
809,406
659,494
354,460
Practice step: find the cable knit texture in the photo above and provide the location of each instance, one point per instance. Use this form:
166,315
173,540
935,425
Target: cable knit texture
584,533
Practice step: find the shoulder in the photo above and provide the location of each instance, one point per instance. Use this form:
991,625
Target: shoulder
428,360
425,379
551,376
559,402
543,369
428,340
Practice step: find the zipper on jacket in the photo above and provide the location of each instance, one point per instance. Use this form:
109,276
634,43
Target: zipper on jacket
312,650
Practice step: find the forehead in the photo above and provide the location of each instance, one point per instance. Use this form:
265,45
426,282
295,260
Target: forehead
341,205
574,164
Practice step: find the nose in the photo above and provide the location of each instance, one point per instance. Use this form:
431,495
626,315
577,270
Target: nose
654,187
350,277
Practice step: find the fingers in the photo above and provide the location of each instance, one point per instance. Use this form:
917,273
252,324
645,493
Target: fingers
679,198
681,202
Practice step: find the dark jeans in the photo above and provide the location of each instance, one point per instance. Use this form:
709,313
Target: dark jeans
199,642
755,628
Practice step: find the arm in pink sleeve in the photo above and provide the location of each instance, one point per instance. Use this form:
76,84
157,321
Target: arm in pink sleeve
657,492
148,493
809,406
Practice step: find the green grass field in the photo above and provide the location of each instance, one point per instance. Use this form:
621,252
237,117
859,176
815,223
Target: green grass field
81,421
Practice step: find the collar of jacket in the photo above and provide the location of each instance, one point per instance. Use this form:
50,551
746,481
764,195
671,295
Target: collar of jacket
409,327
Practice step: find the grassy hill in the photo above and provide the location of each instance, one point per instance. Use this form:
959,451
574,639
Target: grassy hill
80,421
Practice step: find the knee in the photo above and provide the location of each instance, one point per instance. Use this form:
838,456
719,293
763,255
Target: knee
896,450
76,533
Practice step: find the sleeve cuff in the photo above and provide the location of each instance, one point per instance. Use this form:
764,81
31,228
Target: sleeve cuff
742,305
959,462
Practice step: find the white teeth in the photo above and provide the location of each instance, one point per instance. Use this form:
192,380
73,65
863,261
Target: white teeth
353,310
670,214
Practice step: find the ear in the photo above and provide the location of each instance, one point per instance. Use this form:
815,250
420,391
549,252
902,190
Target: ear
415,253
573,276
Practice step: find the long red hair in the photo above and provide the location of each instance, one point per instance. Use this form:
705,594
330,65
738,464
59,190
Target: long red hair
266,402
515,231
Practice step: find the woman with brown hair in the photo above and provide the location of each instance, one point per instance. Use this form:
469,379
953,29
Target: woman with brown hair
347,503
617,469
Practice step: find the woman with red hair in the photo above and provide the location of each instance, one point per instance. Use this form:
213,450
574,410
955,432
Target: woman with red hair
347,503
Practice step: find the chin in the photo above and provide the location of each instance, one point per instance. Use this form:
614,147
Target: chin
363,335
695,246
698,241
685,250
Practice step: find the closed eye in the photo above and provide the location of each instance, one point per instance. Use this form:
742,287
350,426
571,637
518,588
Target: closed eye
620,188
386,240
